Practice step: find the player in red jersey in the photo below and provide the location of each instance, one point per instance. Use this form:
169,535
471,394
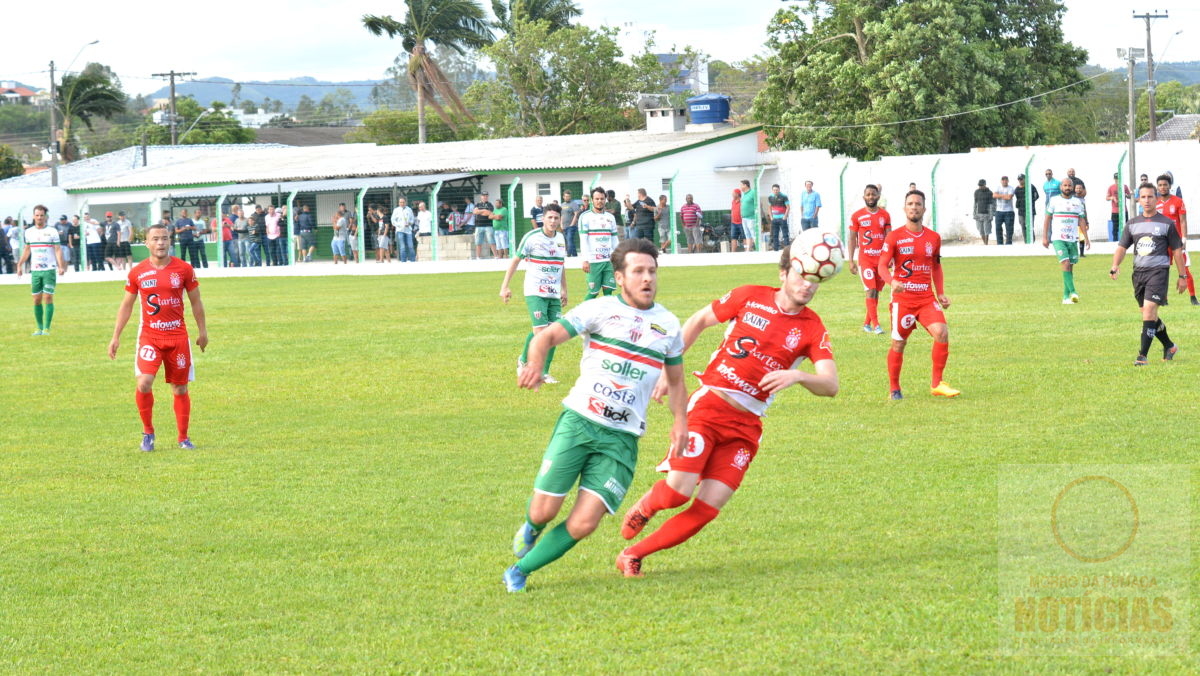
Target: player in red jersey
1173,208
918,295
771,331
161,281
871,225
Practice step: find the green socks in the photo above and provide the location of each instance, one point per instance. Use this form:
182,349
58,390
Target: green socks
1068,283
549,358
525,354
548,550
37,312
49,312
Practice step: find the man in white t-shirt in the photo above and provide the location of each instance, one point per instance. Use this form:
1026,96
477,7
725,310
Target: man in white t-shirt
1006,214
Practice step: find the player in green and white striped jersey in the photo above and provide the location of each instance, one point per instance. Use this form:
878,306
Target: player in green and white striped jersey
598,238
545,280
1066,220
628,342
44,256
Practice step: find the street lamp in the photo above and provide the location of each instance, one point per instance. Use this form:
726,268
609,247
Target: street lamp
54,115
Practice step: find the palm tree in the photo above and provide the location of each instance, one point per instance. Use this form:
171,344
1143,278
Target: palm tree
558,13
85,96
449,24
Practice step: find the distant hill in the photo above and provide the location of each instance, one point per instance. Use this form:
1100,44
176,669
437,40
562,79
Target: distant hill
208,89
1186,72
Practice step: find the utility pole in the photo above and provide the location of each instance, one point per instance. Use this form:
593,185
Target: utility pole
1132,125
1150,71
53,130
172,75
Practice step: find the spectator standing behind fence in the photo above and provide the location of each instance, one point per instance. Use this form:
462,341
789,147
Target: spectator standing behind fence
535,213
612,206
482,211
735,220
1052,186
643,215
750,216
257,223
306,226
810,207
341,234
112,240
241,235
1027,221
272,219
692,216
500,228
662,217
94,239
204,228
1004,211
403,220
1114,203
780,207
985,209
228,241
8,264
184,234
124,237
64,238
571,208
74,232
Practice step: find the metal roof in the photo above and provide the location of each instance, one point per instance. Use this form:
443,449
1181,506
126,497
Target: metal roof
258,164
1178,128
326,185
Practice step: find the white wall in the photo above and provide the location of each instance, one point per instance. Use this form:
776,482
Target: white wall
957,177
19,203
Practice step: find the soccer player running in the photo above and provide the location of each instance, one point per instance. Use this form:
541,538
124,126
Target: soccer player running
629,341
598,236
545,280
1066,220
918,293
45,259
871,224
1154,238
771,331
1172,207
161,281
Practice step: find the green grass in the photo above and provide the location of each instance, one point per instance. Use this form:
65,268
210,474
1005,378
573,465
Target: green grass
365,456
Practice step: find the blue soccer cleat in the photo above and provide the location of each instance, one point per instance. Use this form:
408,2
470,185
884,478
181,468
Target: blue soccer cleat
524,540
187,445
147,442
896,395
514,579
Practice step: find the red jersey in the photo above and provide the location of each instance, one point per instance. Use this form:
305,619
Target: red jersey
872,228
161,294
761,338
913,258
1172,207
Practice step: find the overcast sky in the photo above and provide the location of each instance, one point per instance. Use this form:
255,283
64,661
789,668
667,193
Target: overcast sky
259,41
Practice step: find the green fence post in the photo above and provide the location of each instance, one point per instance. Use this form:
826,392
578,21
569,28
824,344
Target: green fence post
1030,223
360,236
841,202
220,230
933,194
433,201
291,233
758,240
671,206
1121,206
509,201
83,252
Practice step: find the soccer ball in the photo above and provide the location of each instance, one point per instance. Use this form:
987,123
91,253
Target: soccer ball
818,255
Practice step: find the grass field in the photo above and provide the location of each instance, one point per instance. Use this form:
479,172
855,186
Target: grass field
364,457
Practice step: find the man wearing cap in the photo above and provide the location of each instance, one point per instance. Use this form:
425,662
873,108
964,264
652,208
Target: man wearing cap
1004,212
1019,200
64,238
483,226
985,207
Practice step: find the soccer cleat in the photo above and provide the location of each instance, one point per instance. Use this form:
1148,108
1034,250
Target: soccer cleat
630,566
514,579
944,390
896,395
877,330
1068,301
45,332
39,332
1194,301
549,379
187,444
1140,361
1169,352
524,539
635,520
1074,298
147,442
867,328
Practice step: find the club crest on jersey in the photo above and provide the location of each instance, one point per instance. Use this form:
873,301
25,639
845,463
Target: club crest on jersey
537,314
928,248
741,459
793,339
635,334
180,360
176,280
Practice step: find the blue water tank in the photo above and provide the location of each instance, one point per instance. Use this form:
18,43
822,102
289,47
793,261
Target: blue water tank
708,108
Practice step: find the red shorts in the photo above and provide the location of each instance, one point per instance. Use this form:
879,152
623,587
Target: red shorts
722,440
174,353
868,272
906,315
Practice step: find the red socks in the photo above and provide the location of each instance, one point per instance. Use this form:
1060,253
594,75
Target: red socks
145,407
662,496
183,413
941,351
895,361
1191,281
873,311
676,530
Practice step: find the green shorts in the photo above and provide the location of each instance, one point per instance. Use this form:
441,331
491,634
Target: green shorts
43,281
543,311
601,458
1067,251
600,275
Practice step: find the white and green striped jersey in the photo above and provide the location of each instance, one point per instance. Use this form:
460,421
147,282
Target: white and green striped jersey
1064,218
597,235
42,243
546,257
624,352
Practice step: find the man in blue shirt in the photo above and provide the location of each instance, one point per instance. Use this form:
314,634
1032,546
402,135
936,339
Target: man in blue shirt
810,206
1051,187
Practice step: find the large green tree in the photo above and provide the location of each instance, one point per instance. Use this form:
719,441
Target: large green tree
455,25
1172,97
390,127
557,13
845,72
92,93
569,81
196,125
10,164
